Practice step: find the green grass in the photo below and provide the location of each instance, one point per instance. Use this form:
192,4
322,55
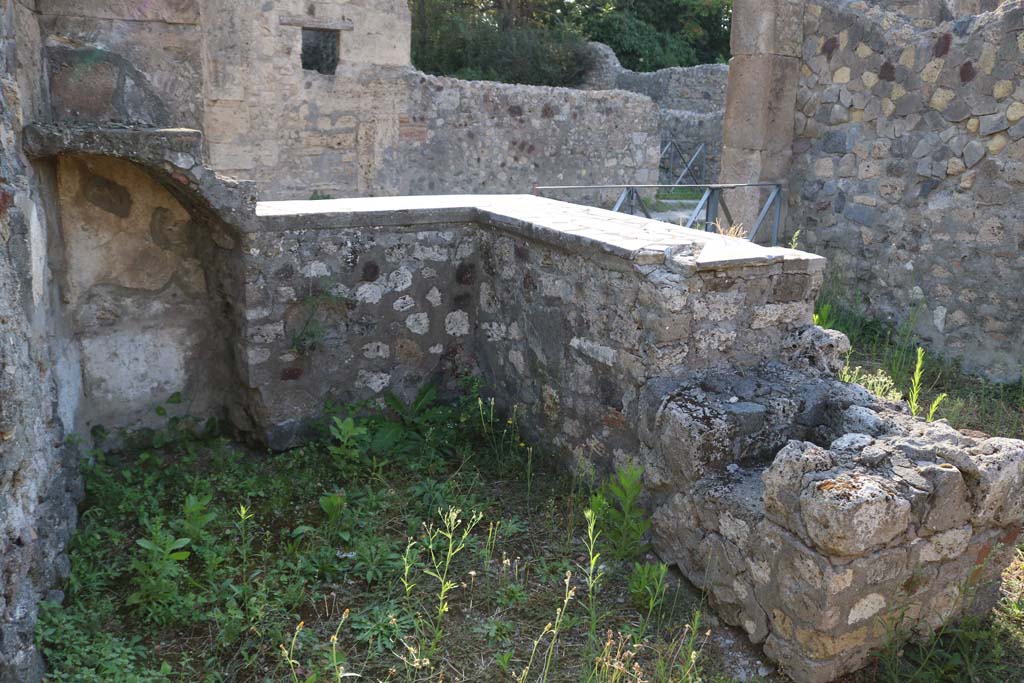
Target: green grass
971,403
422,543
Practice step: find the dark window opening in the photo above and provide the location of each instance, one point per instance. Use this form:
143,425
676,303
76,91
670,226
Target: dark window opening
320,50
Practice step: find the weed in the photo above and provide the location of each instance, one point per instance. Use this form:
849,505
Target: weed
647,589
300,546
443,544
622,519
592,571
158,575
382,626
794,243
348,444
878,382
375,559
195,516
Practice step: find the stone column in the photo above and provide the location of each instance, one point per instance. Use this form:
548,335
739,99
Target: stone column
760,106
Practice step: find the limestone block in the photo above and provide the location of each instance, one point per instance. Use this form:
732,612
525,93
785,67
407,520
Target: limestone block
767,27
851,514
761,102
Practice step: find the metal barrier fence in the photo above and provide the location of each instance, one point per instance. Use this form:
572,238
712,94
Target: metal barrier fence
712,203
673,152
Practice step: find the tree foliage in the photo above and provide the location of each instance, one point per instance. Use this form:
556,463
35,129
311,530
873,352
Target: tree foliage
543,41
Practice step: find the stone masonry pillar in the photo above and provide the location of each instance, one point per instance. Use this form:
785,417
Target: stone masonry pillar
760,107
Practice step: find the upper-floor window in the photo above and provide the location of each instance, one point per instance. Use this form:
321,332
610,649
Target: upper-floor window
320,50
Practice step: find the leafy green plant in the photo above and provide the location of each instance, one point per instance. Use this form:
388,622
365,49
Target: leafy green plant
504,660
496,630
382,626
196,517
913,396
375,559
794,243
622,520
348,442
79,649
647,589
511,595
158,573
824,316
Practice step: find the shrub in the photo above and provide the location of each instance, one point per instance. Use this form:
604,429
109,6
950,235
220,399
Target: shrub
472,45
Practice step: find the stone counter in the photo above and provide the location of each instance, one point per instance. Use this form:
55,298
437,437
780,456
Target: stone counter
564,309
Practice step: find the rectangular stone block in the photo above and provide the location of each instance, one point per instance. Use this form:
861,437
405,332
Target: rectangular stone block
761,102
768,27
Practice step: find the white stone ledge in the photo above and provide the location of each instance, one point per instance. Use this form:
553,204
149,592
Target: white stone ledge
565,225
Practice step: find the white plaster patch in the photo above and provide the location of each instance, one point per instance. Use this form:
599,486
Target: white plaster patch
429,253
37,245
939,318
436,349
369,293
465,249
315,269
418,323
434,296
376,350
593,350
374,381
400,280
515,357
428,272
404,303
456,323
135,369
866,607
258,355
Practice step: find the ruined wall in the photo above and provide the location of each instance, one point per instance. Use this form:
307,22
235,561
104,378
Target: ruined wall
695,88
374,126
691,103
821,519
908,167
483,137
39,482
565,310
